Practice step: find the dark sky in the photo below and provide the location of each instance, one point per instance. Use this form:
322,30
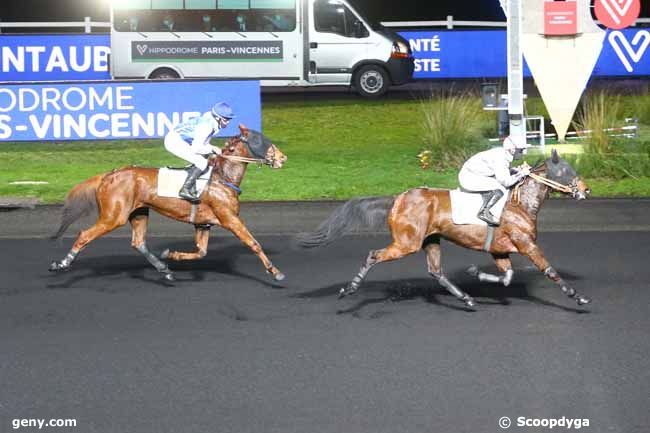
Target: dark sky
379,10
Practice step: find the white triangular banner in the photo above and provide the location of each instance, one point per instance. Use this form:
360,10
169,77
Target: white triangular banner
561,66
562,71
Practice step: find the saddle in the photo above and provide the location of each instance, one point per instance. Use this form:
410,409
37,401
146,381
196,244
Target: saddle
170,181
465,206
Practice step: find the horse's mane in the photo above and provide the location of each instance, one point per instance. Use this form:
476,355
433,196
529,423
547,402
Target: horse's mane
213,160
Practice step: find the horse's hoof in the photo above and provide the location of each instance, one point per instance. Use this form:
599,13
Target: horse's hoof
57,266
279,276
169,277
165,254
348,290
582,300
473,271
469,302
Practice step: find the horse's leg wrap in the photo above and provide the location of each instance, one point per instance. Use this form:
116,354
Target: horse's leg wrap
484,277
451,288
363,273
553,275
65,263
151,258
507,277
566,289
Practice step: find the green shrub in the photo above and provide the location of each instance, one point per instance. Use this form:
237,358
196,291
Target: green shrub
598,112
619,166
642,108
452,129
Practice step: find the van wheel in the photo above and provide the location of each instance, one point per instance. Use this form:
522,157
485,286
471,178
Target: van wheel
164,74
371,81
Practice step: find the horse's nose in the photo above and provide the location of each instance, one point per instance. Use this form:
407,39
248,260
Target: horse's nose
583,190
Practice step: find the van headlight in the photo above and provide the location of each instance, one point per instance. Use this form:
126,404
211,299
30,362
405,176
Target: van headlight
400,50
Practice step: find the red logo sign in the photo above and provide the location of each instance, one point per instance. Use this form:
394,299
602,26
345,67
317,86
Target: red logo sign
617,14
560,18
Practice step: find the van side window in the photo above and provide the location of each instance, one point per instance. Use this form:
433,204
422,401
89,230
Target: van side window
204,15
331,16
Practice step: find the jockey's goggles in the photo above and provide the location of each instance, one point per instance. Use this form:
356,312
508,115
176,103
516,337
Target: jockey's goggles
223,121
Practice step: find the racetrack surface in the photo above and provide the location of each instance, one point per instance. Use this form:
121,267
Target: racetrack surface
225,350
287,218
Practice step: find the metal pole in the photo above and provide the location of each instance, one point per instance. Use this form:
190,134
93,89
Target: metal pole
515,71
88,25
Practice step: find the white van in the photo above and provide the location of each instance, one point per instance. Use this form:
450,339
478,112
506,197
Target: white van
280,42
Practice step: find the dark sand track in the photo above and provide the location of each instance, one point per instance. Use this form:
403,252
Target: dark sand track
225,350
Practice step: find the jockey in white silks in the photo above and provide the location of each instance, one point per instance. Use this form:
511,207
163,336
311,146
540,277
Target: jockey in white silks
190,141
488,173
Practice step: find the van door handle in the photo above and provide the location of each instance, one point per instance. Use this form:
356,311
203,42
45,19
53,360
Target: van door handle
313,45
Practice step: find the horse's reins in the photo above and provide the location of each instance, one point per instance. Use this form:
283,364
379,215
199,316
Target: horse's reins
258,161
551,183
567,189
244,159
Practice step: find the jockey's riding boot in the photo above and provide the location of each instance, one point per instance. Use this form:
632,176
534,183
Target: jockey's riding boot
490,198
188,191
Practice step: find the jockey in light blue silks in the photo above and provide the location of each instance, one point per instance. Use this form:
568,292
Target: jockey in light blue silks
190,141
488,172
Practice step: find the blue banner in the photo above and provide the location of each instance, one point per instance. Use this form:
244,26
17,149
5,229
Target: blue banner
482,54
625,53
120,109
54,57
439,54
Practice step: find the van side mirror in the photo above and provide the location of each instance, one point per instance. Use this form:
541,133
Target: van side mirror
360,30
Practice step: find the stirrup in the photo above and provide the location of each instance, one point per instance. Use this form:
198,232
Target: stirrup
186,195
488,218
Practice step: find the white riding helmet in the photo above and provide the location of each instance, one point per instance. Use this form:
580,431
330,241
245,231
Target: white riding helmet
514,143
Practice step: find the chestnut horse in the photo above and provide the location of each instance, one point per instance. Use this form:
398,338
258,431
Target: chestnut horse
127,194
418,218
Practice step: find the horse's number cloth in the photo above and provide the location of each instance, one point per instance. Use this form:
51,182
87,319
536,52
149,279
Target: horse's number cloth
465,207
170,181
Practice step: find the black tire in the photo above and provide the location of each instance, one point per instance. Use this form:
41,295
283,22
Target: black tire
164,74
371,81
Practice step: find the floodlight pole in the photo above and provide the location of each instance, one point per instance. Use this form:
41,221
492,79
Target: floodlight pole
513,11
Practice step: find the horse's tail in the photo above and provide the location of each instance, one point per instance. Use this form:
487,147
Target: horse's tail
370,213
80,201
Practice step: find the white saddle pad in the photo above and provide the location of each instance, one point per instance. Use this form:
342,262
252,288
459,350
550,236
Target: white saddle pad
170,181
465,207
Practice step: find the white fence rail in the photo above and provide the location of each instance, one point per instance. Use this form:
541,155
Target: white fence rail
450,23
87,24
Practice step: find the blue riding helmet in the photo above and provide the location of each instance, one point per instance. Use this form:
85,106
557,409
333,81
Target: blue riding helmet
223,110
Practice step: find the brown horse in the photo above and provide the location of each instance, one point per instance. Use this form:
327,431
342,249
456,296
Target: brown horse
418,218
127,194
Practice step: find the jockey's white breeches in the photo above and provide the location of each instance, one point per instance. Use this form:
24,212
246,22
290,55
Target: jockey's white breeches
175,144
473,182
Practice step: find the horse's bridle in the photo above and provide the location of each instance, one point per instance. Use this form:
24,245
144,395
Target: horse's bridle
269,160
572,188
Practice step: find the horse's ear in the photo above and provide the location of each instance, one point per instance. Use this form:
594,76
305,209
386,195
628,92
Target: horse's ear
555,157
244,130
